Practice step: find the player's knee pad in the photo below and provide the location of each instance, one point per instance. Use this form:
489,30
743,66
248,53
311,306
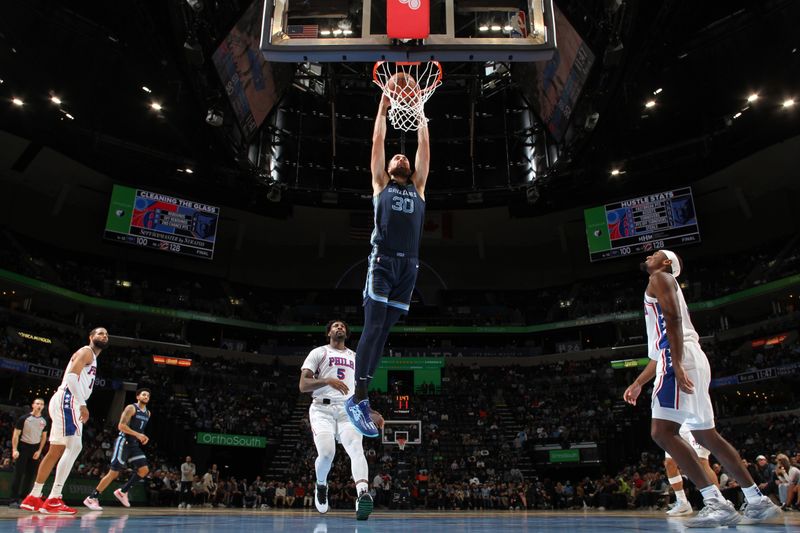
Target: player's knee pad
326,446
74,446
352,443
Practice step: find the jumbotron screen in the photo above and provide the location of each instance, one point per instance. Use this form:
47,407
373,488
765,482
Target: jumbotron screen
641,225
161,222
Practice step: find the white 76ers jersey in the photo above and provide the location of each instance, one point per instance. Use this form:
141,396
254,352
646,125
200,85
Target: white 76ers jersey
326,362
658,348
85,378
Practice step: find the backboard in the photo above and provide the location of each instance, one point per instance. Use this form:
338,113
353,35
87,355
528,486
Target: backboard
411,430
356,31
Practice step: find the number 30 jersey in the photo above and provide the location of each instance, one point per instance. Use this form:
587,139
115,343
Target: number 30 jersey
399,217
326,362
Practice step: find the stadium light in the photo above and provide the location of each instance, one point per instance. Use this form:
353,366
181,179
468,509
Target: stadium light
325,33
155,106
483,27
17,102
789,102
650,103
753,97
496,27
189,170
146,89
658,90
55,99
69,116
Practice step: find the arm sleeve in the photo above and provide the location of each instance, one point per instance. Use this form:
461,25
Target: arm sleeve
75,388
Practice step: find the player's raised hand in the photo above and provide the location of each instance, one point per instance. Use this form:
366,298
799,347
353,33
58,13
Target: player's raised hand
377,419
338,385
632,393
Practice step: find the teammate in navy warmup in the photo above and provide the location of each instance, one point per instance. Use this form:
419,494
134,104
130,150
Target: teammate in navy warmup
398,198
127,451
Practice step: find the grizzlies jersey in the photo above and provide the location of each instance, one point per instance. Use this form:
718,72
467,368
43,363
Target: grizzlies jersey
658,348
399,216
137,423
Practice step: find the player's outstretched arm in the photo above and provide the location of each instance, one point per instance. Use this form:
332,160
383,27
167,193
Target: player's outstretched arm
422,162
378,163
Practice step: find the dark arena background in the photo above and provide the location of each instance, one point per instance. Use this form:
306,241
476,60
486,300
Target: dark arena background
194,176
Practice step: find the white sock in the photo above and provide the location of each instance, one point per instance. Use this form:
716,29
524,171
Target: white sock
55,492
361,487
752,494
711,493
680,495
37,490
322,482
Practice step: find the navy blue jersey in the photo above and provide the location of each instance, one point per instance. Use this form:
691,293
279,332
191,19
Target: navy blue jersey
137,423
399,216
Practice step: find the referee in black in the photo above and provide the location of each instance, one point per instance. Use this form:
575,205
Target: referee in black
27,443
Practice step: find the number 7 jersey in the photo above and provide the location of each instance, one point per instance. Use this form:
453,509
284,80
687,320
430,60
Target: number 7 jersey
326,362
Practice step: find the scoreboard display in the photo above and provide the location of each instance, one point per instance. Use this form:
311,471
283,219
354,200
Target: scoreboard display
161,222
642,225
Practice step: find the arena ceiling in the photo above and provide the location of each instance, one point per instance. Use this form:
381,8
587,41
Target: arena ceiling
699,62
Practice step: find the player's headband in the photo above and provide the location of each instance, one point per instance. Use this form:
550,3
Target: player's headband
676,265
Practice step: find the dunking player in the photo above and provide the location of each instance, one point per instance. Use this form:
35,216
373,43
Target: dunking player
681,397
68,412
398,197
682,506
127,451
328,373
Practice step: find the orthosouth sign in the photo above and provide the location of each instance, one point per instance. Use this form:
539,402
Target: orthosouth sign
225,439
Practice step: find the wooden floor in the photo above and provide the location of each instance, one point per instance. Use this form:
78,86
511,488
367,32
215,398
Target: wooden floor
153,520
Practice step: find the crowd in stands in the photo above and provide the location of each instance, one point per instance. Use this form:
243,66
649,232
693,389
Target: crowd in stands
172,289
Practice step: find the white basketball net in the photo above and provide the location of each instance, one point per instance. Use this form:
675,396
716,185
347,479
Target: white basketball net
408,86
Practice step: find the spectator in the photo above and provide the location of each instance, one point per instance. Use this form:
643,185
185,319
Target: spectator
280,496
788,477
187,478
199,492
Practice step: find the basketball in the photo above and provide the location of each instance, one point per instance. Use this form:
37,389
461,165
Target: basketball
403,88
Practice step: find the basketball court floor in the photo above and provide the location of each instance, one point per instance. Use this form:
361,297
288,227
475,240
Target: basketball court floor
207,520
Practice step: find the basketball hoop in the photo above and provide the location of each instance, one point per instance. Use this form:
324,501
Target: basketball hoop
407,85
401,442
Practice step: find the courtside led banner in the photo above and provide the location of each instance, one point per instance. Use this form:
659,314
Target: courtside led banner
225,439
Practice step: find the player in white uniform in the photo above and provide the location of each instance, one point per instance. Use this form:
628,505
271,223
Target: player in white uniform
682,506
680,397
328,373
68,412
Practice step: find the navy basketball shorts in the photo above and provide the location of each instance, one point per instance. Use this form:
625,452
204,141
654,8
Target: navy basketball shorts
391,279
127,455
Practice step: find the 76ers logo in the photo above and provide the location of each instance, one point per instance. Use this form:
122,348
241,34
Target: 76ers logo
413,4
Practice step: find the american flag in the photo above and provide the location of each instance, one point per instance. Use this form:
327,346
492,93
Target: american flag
303,31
